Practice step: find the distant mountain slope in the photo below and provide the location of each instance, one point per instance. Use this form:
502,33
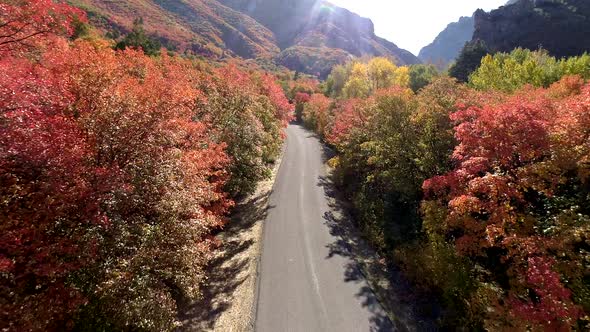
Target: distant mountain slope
286,18
203,26
293,21
448,44
306,35
560,26
305,28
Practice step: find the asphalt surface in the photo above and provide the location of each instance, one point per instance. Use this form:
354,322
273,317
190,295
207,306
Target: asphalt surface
308,282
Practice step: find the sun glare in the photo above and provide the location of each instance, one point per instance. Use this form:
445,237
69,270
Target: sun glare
414,24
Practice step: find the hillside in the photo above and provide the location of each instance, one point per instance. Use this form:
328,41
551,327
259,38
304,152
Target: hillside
204,27
306,35
307,28
448,44
560,26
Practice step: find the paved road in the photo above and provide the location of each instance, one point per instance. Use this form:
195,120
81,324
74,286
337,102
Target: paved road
307,283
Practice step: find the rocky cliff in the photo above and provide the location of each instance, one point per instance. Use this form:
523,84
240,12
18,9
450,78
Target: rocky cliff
448,44
560,26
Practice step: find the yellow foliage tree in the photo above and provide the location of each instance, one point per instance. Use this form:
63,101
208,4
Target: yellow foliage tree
360,80
381,72
402,77
358,84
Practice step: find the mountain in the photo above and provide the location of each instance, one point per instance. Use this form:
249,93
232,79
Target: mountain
305,35
448,44
562,27
314,35
204,27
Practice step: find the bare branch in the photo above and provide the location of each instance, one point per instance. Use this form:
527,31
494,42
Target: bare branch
20,40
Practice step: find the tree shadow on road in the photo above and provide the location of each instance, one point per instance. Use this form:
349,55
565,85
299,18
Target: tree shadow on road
388,288
229,267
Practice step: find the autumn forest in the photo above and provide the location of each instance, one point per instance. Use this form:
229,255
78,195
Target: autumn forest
121,161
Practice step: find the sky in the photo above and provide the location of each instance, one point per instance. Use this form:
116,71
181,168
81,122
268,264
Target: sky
413,24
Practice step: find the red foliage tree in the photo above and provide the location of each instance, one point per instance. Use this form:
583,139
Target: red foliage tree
302,97
102,168
518,163
316,113
553,306
348,115
270,88
111,179
257,83
24,24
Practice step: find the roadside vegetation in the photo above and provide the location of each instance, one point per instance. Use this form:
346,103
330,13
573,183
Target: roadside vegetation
478,191
115,170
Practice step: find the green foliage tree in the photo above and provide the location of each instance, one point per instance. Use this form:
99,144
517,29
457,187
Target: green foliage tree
435,142
453,178
138,38
382,73
378,171
509,72
246,121
359,79
337,79
402,77
400,140
357,84
81,29
421,75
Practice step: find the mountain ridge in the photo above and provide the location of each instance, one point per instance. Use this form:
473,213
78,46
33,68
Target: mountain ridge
562,27
309,36
448,43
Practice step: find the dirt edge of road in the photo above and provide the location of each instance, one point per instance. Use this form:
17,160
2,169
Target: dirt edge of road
230,293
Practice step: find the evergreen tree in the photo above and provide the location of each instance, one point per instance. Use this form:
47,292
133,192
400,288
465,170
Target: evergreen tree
137,38
469,60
